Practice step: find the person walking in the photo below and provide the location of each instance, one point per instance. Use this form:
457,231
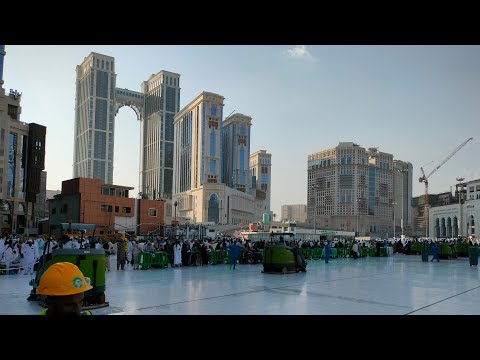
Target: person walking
10,254
64,285
177,254
435,252
234,250
355,251
106,248
121,253
327,251
136,251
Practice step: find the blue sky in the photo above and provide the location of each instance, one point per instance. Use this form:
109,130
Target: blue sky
417,102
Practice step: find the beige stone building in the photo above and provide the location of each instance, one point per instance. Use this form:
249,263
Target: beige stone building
207,149
350,188
22,159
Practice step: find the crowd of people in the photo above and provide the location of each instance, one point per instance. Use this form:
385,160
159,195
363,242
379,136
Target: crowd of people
19,255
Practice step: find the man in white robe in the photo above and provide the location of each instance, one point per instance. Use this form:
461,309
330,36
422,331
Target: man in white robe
177,254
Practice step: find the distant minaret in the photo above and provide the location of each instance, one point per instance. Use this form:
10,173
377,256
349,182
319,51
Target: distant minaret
2,54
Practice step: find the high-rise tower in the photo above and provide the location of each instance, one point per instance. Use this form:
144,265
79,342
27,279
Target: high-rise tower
96,104
236,152
162,102
94,118
261,174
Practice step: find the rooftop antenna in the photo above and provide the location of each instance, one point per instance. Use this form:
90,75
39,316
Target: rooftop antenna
230,114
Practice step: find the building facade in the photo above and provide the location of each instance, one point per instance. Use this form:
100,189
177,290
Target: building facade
418,211
94,118
200,192
162,102
297,213
457,217
151,216
402,189
261,178
98,100
22,158
236,152
350,188
109,207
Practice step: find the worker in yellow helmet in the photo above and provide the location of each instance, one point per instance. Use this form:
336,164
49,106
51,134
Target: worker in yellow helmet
64,285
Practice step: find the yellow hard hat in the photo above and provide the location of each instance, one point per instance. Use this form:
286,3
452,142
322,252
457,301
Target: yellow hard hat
61,279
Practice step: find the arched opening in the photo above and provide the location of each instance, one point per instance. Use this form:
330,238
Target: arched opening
449,227
455,226
21,209
437,228
126,152
213,209
443,229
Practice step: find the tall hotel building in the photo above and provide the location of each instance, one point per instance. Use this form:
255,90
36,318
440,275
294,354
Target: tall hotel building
211,179
96,104
402,185
236,152
22,159
350,188
162,102
261,175
94,118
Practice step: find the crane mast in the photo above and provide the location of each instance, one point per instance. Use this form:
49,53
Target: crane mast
424,179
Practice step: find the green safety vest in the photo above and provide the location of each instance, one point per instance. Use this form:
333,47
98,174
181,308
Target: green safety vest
86,312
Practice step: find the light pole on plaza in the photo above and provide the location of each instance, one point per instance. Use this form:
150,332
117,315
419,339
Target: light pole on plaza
175,227
358,214
460,187
394,203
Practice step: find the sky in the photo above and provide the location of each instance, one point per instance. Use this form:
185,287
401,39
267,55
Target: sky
418,103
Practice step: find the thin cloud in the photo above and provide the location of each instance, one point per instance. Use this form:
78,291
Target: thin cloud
299,51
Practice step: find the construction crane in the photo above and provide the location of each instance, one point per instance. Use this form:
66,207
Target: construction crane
424,179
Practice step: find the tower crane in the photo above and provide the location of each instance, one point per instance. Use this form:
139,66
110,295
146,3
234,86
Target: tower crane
424,179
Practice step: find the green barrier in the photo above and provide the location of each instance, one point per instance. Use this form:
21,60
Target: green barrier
144,260
365,252
417,248
341,252
461,249
226,257
164,259
157,259
383,251
348,252
445,251
213,257
307,253
316,253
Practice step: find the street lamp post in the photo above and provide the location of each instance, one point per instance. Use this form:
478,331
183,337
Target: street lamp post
401,220
358,215
175,226
394,203
460,187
